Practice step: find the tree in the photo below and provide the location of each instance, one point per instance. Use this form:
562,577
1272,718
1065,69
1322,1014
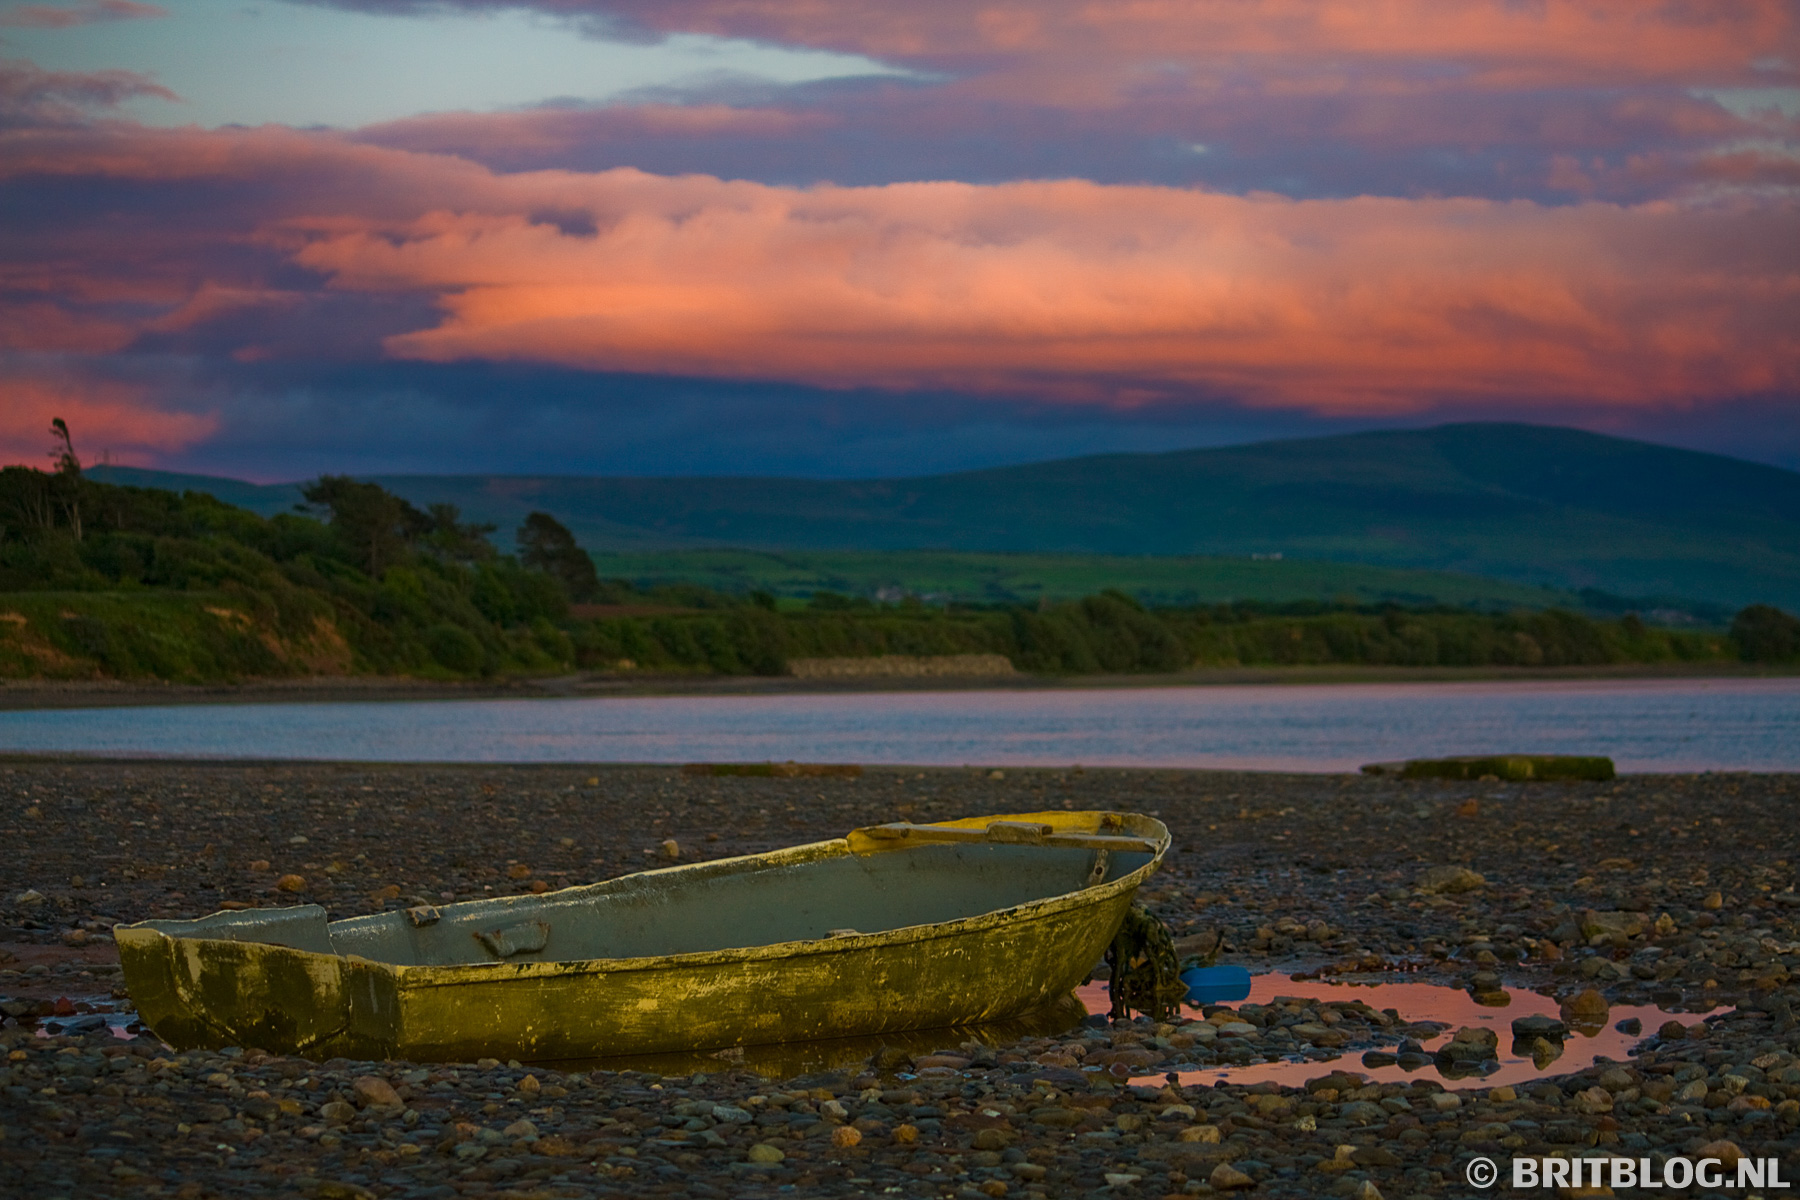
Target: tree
65,486
66,462
376,526
1766,634
545,544
452,539
26,506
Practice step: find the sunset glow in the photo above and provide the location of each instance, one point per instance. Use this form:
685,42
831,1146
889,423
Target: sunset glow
1570,211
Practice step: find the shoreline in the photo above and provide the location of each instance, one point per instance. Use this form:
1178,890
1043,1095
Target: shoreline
1635,895
18,695
600,768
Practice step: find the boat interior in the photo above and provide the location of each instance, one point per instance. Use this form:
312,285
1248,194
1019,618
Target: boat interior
755,901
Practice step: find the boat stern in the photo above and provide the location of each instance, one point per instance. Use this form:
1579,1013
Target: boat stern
263,978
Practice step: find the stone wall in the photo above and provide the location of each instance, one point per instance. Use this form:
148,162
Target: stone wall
903,666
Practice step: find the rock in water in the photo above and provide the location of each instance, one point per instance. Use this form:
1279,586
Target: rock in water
1586,1011
1526,1028
1561,767
1471,1043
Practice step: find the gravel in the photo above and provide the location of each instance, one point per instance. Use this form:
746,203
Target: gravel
1674,891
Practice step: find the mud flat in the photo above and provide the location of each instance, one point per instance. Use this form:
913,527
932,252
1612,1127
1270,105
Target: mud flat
1609,900
887,674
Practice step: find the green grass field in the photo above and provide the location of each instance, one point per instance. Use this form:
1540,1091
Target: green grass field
978,578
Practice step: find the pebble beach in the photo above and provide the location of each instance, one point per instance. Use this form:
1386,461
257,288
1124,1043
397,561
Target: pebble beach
1672,893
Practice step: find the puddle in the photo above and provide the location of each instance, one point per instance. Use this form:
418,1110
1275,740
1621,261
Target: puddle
92,1013
1423,1002
1415,1002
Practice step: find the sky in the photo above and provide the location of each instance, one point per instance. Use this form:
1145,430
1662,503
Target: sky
847,238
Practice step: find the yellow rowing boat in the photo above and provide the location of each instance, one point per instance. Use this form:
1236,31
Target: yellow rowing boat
891,927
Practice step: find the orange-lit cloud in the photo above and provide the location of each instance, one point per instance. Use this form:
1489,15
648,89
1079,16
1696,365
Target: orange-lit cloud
106,417
1089,291
1061,290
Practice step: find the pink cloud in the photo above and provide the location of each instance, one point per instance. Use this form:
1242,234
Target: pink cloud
51,16
543,133
51,326
1545,99
103,416
1068,47
31,95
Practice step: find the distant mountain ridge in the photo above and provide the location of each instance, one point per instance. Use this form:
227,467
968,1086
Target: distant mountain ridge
1535,504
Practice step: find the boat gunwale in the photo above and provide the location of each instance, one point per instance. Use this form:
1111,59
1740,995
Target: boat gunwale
415,976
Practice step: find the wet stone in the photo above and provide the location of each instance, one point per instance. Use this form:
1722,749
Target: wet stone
1450,880
376,1092
1538,1026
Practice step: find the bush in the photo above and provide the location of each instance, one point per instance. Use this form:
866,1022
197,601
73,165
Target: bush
552,641
1766,634
455,648
90,637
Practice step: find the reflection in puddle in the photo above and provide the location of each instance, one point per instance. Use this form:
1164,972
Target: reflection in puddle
1418,1003
88,1014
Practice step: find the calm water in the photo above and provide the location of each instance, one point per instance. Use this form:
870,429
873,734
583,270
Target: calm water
1433,1002
1650,725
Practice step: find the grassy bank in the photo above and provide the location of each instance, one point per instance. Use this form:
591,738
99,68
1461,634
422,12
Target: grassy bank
1113,634
106,582
422,624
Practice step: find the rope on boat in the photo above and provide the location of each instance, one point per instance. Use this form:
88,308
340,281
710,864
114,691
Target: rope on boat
1145,972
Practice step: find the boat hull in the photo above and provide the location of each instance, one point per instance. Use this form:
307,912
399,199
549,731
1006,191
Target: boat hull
197,991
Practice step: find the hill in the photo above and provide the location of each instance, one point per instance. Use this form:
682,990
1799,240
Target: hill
1534,505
